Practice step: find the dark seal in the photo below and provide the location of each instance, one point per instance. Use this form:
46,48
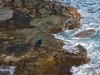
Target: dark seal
38,43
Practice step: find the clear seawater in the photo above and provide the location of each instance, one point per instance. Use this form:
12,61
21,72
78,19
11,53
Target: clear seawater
90,13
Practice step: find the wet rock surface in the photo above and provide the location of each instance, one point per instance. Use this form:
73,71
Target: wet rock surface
80,51
0,73
85,34
31,21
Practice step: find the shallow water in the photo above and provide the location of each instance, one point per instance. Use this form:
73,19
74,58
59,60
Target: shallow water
90,12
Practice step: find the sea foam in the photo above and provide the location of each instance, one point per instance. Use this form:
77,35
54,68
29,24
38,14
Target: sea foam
90,19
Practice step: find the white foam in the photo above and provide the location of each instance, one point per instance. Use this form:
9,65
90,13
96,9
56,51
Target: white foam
90,12
10,69
85,70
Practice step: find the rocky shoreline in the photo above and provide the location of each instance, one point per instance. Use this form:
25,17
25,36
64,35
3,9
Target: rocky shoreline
23,22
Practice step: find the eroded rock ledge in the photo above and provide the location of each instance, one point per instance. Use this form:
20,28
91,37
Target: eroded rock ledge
31,20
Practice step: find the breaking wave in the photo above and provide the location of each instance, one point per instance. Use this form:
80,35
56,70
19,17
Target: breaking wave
7,70
90,12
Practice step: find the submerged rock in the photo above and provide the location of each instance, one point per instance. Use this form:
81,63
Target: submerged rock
29,21
86,33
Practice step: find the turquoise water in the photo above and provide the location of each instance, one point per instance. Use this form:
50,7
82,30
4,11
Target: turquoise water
90,12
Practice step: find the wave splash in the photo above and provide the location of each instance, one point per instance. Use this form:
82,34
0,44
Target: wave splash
90,13
7,70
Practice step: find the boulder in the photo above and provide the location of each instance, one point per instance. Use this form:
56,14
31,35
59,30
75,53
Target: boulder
80,51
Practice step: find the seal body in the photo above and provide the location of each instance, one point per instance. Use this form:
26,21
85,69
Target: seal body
38,43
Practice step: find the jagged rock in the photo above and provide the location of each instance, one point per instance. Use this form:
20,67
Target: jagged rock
33,20
67,16
80,51
86,33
